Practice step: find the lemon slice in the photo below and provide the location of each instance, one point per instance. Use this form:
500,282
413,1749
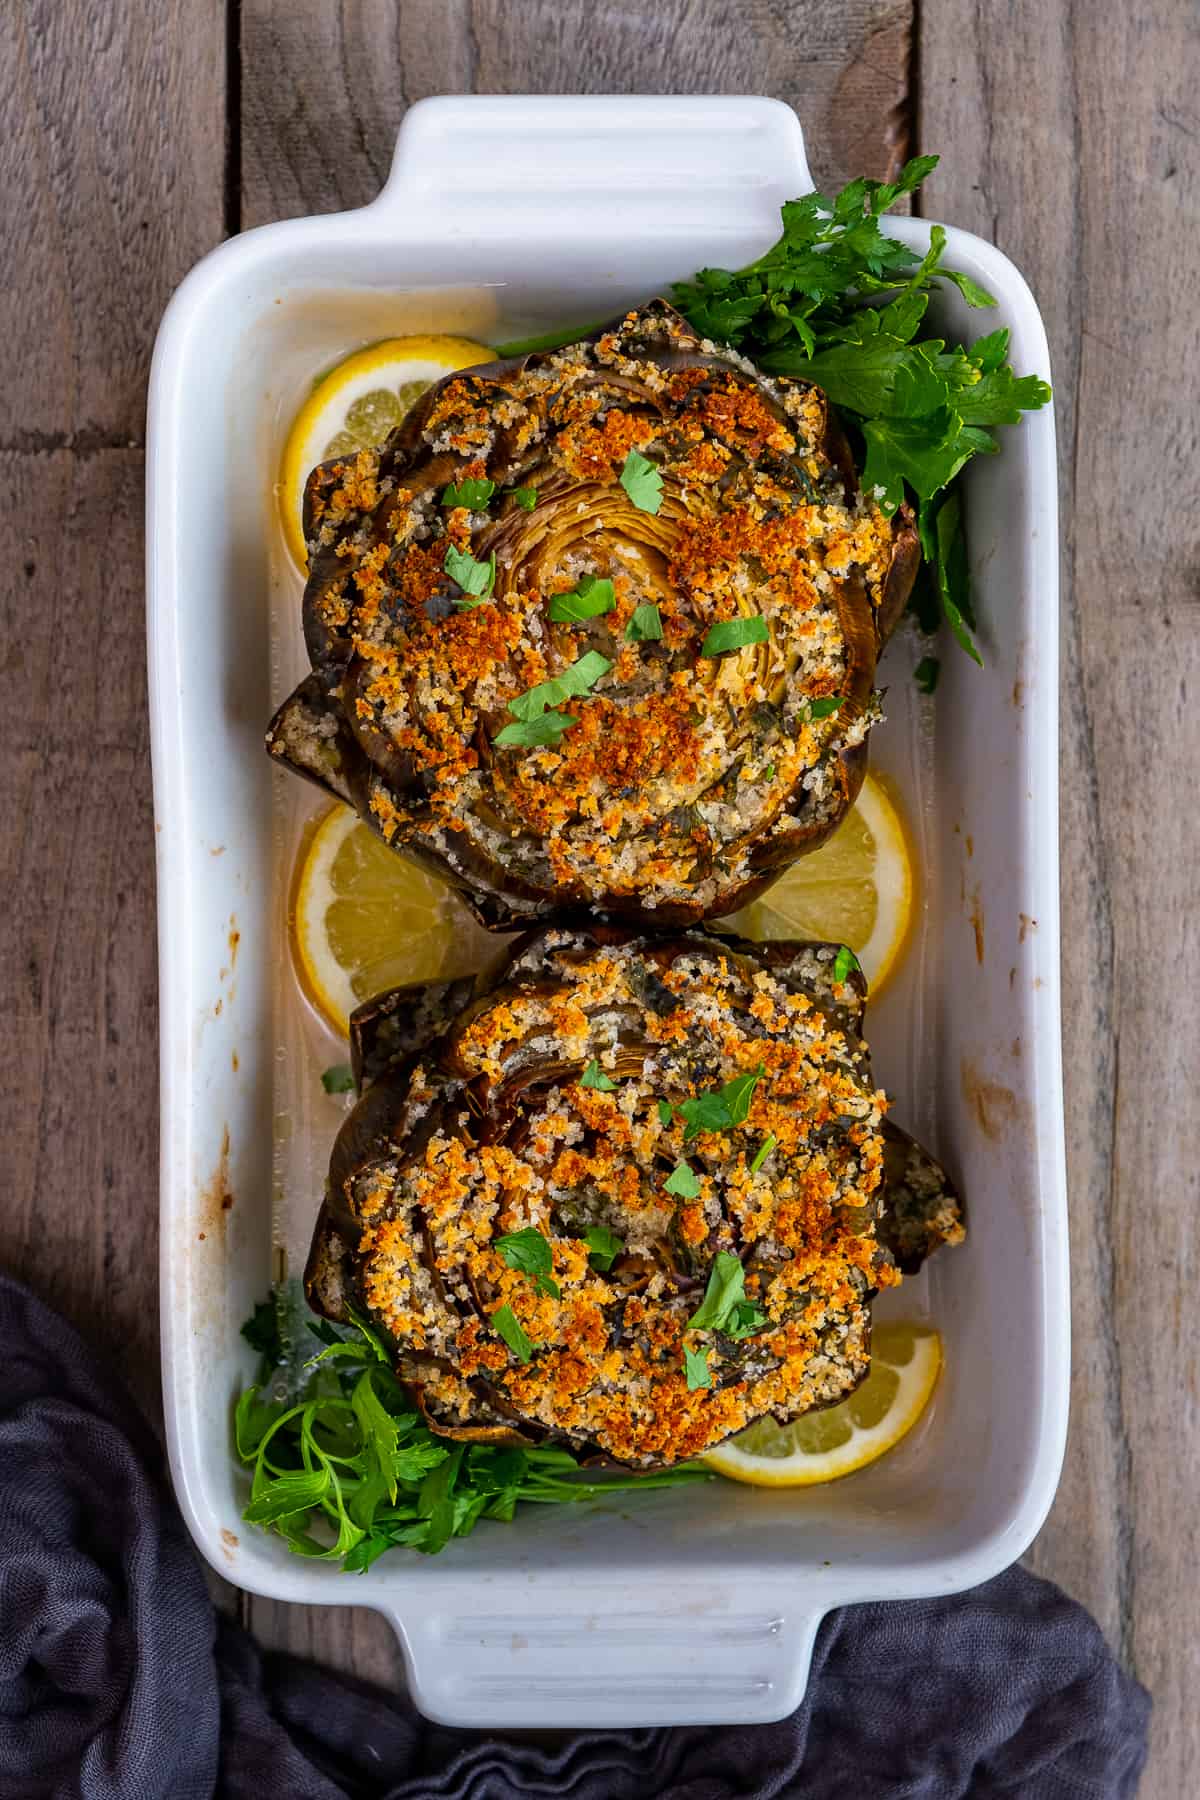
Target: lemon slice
363,919
822,1446
355,405
857,889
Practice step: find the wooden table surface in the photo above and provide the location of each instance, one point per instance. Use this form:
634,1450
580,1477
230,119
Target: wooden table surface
136,137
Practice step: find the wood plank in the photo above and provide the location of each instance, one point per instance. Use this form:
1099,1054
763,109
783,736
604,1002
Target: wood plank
1082,159
324,87
111,186
348,75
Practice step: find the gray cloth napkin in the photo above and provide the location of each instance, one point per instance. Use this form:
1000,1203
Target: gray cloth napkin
118,1682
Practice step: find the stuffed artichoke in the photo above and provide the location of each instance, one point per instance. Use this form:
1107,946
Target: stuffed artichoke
597,628
635,1196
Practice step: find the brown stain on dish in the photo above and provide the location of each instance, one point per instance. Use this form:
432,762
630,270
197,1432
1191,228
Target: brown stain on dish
993,1104
217,850
976,918
235,938
1018,693
216,1196
234,1060
970,846
217,1005
229,1541
1027,925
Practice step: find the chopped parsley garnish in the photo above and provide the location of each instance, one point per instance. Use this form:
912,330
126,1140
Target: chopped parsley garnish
726,1289
926,674
683,1181
604,1247
525,497
745,1320
696,1369
547,729
764,1150
665,1112
642,482
768,773
723,1108
537,725
825,706
472,493
528,1250
734,634
645,626
843,962
594,1077
511,1330
476,579
339,1079
589,598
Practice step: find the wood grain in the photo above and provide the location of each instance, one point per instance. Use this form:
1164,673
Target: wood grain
325,85
1080,155
111,186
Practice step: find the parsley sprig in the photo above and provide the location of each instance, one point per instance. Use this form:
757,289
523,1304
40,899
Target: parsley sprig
343,1466
838,302
922,407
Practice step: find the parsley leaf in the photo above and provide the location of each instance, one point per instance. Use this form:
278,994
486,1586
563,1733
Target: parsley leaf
594,1077
589,598
734,634
683,1182
926,674
843,962
745,1320
579,679
722,1109
528,1250
547,729
476,579
826,706
339,1079
471,493
604,1247
505,1321
536,725
645,626
546,1284
666,1112
953,575
642,482
525,497
726,1287
764,1150
695,1368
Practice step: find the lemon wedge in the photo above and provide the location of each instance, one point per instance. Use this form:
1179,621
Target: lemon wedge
363,919
823,1446
857,889
355,405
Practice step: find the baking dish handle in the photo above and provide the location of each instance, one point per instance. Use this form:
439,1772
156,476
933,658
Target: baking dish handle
709,1654
484,163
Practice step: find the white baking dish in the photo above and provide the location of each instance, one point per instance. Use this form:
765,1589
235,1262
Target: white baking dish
660,1608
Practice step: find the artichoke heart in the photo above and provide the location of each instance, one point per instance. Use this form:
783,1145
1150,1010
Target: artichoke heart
630,1198
597,628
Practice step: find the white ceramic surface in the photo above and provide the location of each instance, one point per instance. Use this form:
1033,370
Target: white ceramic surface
659,1608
